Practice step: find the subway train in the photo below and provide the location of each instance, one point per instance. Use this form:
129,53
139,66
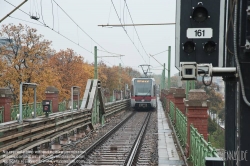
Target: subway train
143,94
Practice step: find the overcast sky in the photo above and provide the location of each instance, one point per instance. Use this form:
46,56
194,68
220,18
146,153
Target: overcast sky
88,14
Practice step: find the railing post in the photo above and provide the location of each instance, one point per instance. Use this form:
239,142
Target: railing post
179,95
170,93
169,97
197,106
5,101
52,94
75,99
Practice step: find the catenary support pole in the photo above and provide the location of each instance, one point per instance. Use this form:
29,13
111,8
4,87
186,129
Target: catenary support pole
120,68
96,70
169,66
162,80
163,77
94,114
20,120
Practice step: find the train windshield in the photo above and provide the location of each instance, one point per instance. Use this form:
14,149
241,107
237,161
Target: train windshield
143,87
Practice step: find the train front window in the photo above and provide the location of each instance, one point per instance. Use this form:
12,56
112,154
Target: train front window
143,87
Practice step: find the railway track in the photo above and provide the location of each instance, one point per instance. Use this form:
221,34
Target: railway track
128,139
74,148
148,153
121,145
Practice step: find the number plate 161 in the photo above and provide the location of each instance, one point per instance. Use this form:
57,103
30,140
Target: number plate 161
199,33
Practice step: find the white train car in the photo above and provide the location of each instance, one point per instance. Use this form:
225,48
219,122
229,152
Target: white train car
143,93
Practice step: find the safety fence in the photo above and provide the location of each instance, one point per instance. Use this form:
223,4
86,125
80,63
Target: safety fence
62,106
27,110
172,111
181,127
36,131
199,147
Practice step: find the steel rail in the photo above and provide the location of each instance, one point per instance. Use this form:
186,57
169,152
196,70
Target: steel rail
134,150
99,141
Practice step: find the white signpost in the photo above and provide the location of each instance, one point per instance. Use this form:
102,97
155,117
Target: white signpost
199,33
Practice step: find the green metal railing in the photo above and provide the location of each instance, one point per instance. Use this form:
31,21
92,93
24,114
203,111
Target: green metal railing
111,98
200,148
1,114
39,108
27,110
172,110
164,100
181,127
75,104
62,106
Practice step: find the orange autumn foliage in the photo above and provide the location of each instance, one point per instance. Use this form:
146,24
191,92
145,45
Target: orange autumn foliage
25,56
71,70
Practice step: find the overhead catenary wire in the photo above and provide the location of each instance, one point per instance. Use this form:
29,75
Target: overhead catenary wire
106,61
44,25
58,19
122,61
37,9
158,61
30,6
110,52
78,25
109,13
42,11
126,31
123,12
53,29
125,25
135,29
53,13
26,21
139,37
159,53
118,55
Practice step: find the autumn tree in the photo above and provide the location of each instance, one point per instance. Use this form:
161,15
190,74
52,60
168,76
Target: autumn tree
71,70
216,99
115,77
23,59
107,75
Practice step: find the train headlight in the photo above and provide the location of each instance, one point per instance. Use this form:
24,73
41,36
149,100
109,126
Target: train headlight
142,100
